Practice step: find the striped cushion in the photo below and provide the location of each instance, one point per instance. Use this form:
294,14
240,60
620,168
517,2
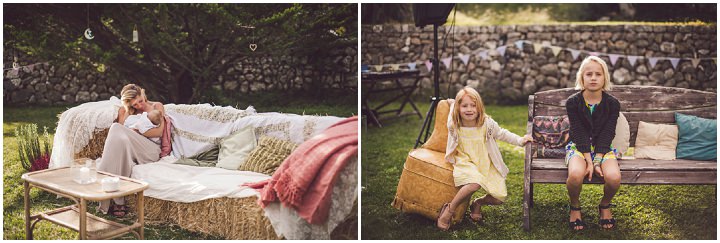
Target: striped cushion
268,155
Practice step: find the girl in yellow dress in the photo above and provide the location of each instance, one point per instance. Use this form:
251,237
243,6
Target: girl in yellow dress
474,153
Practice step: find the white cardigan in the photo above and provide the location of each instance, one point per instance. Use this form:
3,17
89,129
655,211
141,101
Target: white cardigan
494,131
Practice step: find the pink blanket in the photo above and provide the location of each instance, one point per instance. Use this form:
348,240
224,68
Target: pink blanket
166,138
305,179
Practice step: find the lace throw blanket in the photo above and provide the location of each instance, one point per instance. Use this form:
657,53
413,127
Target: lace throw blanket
76,127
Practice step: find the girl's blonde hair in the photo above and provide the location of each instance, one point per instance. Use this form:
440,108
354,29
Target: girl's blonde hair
130,92
580,84
474,96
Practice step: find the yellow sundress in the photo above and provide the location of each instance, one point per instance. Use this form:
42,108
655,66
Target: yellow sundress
473,165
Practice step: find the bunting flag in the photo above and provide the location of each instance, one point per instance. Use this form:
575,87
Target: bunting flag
429,65
632,60
695,62
653,61
412,65
519,44
447,61
378,68
465,58
501,50
483,55
674,61
537,47
556,50
574,53
594,53
395,67
613,58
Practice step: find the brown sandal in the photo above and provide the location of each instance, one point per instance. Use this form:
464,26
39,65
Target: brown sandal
476,217
446,226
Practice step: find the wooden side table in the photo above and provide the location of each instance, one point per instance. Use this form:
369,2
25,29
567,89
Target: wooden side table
60,181
370,81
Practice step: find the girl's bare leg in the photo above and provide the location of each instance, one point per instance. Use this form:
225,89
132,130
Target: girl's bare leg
576,173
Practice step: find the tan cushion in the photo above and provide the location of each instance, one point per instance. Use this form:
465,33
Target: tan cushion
235,148
656,141
426,183
438,140
268,155
621,142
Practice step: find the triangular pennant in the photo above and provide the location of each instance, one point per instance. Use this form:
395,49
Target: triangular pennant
632,60
537,47
653,61
465,58
501,50
695,62
447,61
593,53
412,65
519,44
395,67
429,65
378,68
31,67
674,61
613,58
574,53
556,50
483,55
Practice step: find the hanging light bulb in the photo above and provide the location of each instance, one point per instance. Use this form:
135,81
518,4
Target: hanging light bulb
135,35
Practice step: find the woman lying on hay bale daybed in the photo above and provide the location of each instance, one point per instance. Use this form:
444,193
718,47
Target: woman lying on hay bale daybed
213,169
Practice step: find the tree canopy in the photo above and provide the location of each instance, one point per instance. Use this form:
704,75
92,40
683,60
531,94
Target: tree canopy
183,48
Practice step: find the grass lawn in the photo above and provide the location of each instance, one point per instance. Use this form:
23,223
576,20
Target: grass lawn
643,212
13,211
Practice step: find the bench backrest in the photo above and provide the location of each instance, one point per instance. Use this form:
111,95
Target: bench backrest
638,103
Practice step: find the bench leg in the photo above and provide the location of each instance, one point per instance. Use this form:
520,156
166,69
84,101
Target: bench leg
527,200
532,199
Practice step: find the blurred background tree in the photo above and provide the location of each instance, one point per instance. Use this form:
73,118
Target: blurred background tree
183,48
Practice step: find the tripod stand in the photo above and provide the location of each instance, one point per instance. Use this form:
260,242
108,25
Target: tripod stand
436,97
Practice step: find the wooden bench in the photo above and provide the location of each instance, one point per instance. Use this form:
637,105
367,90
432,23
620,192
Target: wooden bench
638,103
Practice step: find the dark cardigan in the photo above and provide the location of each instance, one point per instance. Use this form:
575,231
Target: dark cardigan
597,129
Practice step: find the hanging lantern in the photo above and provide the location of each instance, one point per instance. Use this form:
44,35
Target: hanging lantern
135,35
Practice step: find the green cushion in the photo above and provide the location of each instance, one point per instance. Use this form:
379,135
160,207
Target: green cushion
208,158
268,155
234,149
696,137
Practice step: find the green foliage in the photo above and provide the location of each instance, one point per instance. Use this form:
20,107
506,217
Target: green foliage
28,142
643,212
183,48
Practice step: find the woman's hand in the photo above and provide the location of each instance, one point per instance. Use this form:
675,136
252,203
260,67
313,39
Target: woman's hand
527,138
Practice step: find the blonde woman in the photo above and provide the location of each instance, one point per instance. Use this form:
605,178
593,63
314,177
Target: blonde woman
125,147
475,156
593,115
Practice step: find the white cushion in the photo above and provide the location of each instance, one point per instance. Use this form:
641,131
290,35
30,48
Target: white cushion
235,148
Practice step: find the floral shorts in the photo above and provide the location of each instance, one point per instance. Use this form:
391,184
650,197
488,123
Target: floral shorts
571,150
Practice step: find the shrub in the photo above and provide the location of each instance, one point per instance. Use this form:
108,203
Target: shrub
31,156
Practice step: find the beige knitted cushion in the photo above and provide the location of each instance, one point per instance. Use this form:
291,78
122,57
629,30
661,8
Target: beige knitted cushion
268,155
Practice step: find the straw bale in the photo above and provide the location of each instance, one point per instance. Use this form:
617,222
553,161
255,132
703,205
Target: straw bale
94,148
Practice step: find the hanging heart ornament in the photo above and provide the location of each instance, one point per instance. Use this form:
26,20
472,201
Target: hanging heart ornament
88,34
253,47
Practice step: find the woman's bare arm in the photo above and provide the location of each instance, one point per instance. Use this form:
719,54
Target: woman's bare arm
158,131
121,115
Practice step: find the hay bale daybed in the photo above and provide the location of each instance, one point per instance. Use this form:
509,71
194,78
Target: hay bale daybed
82,131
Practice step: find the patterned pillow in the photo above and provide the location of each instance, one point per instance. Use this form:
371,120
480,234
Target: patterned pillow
268,155
551,134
